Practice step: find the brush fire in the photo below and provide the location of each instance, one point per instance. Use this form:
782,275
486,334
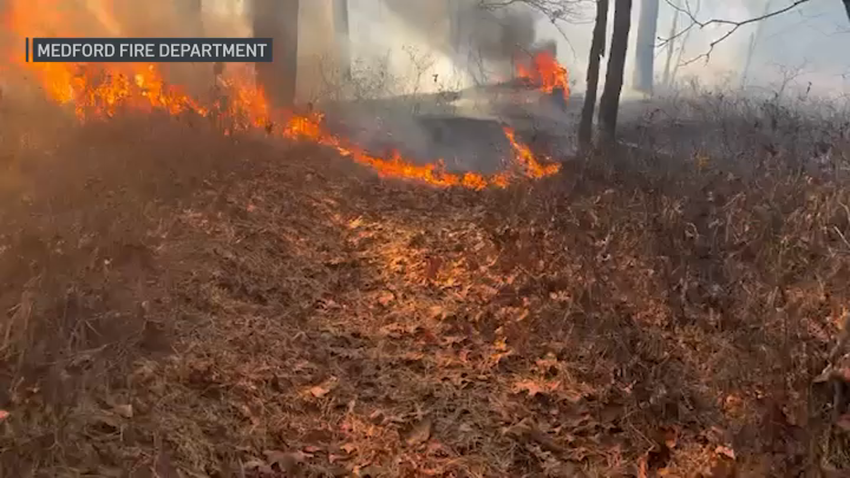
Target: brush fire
99,91
207,273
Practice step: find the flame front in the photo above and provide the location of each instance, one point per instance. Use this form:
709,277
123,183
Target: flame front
98,91
545,73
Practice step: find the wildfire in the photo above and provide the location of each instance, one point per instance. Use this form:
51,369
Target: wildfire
544,72
98,91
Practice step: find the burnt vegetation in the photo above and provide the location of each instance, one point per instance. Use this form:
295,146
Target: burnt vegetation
182,303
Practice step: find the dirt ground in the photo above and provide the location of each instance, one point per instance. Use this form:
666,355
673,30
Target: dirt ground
182,304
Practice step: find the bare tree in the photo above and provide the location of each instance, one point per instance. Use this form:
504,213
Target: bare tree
278,20
610,101
754,40
670,47
645,47
597,51
343,36
554,10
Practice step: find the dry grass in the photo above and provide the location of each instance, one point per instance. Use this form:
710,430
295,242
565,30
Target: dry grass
182,304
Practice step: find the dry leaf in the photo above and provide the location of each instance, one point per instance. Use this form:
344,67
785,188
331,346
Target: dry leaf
671,438
319,391
125,411
529,386
386,298
420,433
725,451
534,388
643,467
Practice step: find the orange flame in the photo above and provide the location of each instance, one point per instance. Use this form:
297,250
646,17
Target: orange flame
545,73
98,91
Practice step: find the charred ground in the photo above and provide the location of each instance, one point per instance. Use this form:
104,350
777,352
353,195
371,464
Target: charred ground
180,303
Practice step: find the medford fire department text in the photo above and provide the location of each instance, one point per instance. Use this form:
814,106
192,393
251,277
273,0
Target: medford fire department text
151,50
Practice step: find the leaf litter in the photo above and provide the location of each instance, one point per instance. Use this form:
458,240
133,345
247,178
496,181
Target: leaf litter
348,325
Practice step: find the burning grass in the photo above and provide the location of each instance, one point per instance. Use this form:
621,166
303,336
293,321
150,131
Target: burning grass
211,305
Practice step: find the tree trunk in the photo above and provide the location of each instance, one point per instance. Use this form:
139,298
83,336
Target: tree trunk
645,47
671,44
610,101
343,37
754,41
278,20
597,51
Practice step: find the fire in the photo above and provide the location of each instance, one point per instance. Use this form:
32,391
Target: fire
100,91
544,72
525,157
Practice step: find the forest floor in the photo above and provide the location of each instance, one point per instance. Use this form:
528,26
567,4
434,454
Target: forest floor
183,304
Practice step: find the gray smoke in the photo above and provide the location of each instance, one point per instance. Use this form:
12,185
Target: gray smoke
477,31
496,33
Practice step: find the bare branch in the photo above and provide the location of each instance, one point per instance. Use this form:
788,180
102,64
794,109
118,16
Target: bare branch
733,25
555,10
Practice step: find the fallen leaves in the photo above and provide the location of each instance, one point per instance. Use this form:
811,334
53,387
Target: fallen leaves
322,389
124,410
725,451
536,387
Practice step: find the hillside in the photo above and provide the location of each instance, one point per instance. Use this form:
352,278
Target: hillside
183,304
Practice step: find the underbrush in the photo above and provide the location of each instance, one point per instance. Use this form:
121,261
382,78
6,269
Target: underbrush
179,303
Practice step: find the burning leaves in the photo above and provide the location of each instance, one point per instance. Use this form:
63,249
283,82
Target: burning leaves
544,72
98,91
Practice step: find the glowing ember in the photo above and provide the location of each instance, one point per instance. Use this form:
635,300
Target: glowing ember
98,91
544,72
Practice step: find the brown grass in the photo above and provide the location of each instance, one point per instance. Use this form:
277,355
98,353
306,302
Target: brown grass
178,303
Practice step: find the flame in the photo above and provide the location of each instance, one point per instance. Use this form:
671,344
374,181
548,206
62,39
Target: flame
100,91
545,73
525,157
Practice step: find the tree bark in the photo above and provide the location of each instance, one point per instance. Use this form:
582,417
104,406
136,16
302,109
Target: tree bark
343,36
278,20
610,102
671,43
645,47
597,51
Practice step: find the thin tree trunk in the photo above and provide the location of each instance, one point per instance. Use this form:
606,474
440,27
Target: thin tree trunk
645,48
278,20
683,45
610,102
343,37
754,40
671,44
597,51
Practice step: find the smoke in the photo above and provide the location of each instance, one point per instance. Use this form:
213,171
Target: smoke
470,32
497,34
